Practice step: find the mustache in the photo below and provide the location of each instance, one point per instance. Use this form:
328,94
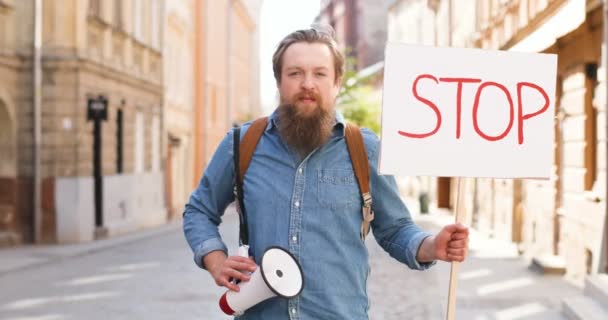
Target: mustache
308,95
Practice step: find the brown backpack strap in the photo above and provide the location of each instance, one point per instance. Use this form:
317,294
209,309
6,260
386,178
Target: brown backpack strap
358,157
243,152
248,144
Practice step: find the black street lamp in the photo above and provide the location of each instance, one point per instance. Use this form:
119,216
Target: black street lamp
97,111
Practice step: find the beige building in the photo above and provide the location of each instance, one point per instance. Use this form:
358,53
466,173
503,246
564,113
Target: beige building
559,224
179,112
107,48
176,76
210,59
549,217
227,72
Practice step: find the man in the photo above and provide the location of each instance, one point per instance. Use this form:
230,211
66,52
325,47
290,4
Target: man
301,194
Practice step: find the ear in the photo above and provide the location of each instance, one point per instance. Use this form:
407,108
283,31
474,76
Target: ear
337,87
338,83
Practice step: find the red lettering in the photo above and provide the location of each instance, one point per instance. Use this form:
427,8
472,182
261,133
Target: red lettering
428,103
476,108
521,116
460,81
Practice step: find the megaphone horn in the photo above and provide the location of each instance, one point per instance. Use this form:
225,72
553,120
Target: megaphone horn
279,274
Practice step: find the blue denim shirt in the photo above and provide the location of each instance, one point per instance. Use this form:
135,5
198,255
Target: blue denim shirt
312,207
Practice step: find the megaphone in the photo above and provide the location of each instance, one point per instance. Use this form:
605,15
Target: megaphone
279,274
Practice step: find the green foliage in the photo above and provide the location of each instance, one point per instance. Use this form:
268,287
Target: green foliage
350,82
357,100
362,109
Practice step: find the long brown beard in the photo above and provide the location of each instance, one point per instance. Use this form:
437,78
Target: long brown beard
305,132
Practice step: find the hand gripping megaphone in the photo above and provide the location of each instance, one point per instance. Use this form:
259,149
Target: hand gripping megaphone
278,274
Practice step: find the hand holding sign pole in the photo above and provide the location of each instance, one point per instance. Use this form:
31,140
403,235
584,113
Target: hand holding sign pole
455,112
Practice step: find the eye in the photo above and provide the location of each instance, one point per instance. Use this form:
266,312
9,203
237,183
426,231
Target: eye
321,74
293,73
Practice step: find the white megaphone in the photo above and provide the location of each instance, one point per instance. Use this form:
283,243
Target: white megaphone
279,274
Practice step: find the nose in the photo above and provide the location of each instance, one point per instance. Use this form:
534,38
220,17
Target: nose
307,83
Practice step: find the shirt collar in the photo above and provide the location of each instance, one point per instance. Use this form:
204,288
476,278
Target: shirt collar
339,125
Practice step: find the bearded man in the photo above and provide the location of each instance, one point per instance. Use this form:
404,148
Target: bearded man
301,194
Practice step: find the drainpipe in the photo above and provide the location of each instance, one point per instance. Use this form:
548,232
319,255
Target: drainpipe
604,252
37,123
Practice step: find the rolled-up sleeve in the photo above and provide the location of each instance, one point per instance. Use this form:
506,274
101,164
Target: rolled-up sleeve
393,227
204,210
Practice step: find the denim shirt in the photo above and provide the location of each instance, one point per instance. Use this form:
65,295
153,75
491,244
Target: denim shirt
311,207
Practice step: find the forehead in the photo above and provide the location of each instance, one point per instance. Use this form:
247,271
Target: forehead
308,55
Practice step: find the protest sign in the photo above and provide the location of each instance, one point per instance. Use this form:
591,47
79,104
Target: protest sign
459,112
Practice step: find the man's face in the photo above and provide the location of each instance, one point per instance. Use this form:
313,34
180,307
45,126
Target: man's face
308,77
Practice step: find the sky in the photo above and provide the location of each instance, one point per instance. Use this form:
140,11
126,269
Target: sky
279,18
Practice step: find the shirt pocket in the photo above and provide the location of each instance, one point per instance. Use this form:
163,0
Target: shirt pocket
337,188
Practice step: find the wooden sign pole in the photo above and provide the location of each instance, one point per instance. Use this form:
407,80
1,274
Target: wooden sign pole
456,265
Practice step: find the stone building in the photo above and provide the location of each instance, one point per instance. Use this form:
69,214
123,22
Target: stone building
227,72
559,223
178,101
97,48
211,81
549,217
361,28
176,76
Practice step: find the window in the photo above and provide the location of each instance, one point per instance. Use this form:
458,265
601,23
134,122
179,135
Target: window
137,20
8,155
118,18
95,8
155,144
6,3
139,142
590,126
155,23
214,107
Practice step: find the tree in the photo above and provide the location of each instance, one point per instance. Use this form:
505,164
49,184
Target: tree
358,101
362,108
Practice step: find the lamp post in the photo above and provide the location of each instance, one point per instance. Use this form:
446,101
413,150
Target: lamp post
97,111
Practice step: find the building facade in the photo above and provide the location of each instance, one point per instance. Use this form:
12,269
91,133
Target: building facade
179,112
226,72
90,49
165,79
549,217
361,28
545,218
211,82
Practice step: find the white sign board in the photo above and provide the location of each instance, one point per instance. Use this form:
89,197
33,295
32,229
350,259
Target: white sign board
458,112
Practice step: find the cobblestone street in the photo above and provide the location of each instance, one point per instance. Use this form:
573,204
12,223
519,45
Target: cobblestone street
153,277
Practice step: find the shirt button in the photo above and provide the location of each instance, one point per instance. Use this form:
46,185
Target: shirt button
293,311
300,170
294,238
297,203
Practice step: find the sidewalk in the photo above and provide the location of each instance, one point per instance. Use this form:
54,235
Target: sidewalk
496,283
28,256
